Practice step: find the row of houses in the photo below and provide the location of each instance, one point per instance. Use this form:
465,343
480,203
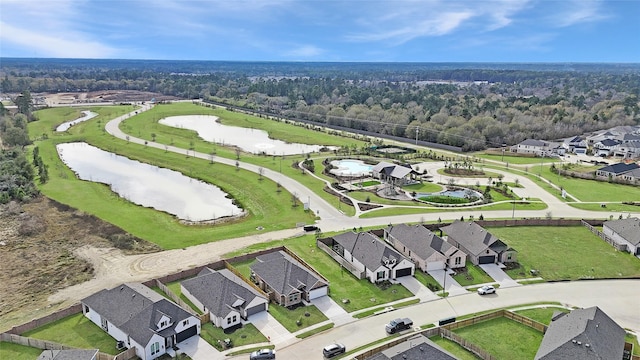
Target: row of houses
401,248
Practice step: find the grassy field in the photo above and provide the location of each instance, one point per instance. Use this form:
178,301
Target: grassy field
417,210
76,331
503,338
18,352
519,160
474,275
566,253
297,319
542,315
246,335
455,349
610,207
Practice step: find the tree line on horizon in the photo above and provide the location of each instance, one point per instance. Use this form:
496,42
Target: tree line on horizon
471,108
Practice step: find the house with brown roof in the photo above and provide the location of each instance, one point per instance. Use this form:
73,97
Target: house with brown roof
426,249
481,246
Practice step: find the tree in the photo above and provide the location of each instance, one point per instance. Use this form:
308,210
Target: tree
24,103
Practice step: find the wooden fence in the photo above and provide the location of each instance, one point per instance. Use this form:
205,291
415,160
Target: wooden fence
36,323
605,237
343,263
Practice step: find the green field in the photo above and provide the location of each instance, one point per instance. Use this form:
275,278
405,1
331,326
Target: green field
18,352
518,160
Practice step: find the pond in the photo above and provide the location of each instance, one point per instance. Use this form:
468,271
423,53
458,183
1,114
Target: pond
250,140
349,167
149,186
87,116
454,195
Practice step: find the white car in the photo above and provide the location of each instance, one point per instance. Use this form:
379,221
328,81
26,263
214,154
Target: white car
487,289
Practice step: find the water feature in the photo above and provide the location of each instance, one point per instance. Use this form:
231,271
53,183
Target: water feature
350,167
87,116
452,193
250,140
146,185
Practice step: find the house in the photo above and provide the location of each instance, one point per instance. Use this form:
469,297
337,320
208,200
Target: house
480,245
225,296
531,146
624,231
287,281
140,318
616,171
582,334
417,347
576,145
392,173
372,256
627,150
605,147
72,354
426,249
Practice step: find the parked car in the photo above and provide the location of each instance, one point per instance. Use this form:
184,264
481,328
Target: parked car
487,289
309,228
398,325
332,350
263,354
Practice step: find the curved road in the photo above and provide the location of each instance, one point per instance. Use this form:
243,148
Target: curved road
619,298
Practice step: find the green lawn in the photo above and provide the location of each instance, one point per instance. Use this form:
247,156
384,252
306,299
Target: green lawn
246,335
566,253
76,331
425,187
520,160
503,338
610,207
541,315
298,318
455,349
176,289
391,211
427,280
18,352
473,275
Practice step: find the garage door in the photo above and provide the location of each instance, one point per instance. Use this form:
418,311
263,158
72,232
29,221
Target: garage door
256,309
403,272
435,265
487,259
184,335
316,293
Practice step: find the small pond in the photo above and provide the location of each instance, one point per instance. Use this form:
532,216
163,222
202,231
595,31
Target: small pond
250,140
349,167
456,194
87,116
146,185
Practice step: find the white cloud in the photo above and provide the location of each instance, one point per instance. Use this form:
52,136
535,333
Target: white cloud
579,11
305,51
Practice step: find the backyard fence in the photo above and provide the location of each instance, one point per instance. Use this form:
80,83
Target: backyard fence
605,237
50,345
36,323
322,244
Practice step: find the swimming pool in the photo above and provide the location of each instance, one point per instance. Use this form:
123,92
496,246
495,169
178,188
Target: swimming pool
350,167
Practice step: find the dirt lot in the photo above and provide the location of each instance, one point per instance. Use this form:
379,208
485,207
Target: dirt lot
94,97
38,246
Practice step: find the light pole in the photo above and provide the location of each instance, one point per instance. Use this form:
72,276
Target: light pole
444,282
417,130
513,210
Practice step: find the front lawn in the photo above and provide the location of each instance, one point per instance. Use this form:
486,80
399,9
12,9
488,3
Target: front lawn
565,253
18,352
471,275
298,318
503,338
245,335
427,280
76,331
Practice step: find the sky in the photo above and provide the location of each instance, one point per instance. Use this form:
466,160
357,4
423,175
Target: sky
324,30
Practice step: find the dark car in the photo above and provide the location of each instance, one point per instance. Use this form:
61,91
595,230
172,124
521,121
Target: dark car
263,354
332,350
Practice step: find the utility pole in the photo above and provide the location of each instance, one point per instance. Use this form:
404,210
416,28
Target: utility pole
417,130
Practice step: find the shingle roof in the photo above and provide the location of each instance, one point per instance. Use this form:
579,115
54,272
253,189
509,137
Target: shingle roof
414,348
470,235
135,309
419,240
72,354
582,334
283,273
629,229
619,168
222,292
393,170
368,249
533,142
609,142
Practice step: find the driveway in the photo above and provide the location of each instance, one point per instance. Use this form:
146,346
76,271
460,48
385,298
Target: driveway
332,310
448,283
198,349
270,327
422,292
498,275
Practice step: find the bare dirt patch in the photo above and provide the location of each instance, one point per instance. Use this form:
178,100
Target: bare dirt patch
38,247
105,96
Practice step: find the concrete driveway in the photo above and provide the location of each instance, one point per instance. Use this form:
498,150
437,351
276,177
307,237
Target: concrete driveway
332,310
498,275
270,327
198,349
420,291
448,283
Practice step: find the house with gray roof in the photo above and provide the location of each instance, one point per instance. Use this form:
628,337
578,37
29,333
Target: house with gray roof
605,147
417,347
375,259
481,246
286,280
583,334
140,318
576,145
226,297
620,171
426,249
392,173
71,354
628,150
624,231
